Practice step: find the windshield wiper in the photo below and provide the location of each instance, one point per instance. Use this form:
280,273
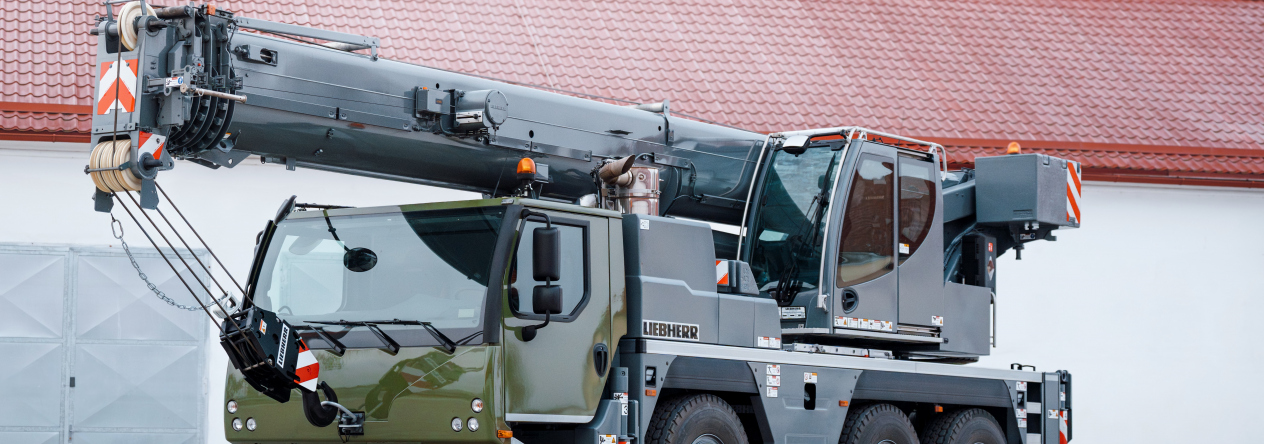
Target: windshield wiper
393,346
339,349
381,335
789,285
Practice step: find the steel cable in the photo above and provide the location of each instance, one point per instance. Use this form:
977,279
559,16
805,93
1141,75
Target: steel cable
199,237
176,271
177,253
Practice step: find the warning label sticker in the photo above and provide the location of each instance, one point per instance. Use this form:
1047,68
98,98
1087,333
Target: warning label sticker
864,324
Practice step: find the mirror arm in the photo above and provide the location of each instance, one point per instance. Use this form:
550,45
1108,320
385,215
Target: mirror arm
548,222
528,332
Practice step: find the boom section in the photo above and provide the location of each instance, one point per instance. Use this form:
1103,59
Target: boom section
217,88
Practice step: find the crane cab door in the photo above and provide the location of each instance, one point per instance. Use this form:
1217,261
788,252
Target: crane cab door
919,240
861,264
887,261
558,376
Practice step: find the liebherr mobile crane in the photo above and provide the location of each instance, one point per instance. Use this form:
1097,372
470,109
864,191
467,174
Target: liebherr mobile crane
584,300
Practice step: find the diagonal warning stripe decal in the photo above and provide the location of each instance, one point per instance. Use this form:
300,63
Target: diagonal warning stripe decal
307,369
1073,192
116,86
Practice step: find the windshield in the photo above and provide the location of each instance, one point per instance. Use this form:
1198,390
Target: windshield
787,230
430,266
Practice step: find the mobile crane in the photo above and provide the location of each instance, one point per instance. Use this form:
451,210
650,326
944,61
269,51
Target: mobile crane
862,271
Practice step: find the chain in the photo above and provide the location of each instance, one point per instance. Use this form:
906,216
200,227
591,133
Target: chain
116,229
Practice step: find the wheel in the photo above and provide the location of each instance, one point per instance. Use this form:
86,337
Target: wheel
877,424
969,426
696,419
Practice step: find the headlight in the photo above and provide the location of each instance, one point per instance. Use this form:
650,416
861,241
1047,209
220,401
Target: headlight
476,405
472,424
250,424
232,406
237,424
456,424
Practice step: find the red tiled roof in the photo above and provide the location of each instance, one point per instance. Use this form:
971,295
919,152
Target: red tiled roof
1153,90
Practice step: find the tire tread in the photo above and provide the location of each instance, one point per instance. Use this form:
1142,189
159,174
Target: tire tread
668,417
946,429
859,419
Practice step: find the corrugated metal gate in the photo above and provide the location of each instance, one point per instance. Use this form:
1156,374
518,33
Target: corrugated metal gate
89,354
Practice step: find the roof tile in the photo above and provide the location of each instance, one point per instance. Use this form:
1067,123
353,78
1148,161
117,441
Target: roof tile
1146,72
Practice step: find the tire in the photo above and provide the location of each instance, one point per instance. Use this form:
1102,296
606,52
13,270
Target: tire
969,426
877,423
696,419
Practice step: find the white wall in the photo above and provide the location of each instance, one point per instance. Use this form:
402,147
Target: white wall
1150,305
1154,306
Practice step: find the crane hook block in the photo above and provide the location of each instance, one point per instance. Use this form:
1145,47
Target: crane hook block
265,349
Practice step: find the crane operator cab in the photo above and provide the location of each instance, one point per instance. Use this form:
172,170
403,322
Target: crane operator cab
846,230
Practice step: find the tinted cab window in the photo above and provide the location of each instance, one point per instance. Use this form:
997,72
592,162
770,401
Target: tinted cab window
868,227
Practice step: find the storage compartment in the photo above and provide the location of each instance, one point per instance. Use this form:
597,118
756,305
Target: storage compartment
1022,188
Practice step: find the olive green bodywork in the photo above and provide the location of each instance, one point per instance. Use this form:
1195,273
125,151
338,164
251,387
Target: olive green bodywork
412,397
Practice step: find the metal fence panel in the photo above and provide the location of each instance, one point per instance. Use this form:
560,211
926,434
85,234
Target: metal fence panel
149,438
113,303
32,290
31,437
92,355
135,386
30,379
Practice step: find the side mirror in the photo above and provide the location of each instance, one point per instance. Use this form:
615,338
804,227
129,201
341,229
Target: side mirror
546,265
546,255
546,299
287,207
795,145
359,259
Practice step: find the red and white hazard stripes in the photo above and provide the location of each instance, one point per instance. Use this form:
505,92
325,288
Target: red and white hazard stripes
152,143
307,369
116,87
1062,427
721,272
1073,192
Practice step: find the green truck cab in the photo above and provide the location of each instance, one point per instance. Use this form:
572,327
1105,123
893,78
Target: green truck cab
465,268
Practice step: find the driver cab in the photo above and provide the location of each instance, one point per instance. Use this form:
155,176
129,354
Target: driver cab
844,231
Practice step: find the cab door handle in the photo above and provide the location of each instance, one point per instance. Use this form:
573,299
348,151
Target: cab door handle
601,358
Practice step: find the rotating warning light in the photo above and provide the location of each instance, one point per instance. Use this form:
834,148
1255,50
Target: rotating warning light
1014,148
526,166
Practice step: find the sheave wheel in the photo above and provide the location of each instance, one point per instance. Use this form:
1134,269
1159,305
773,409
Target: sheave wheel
970,426
696,419
877,424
